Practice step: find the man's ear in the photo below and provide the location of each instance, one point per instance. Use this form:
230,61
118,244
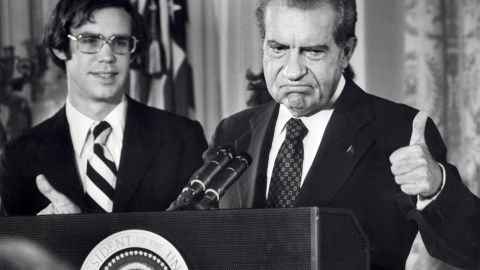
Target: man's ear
60,54
348,50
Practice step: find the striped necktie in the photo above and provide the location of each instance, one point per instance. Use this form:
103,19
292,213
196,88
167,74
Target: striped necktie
101,172
287,171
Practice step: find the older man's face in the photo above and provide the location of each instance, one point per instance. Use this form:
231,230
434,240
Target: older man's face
301,61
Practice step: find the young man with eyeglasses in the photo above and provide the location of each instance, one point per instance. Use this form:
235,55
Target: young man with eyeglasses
103,151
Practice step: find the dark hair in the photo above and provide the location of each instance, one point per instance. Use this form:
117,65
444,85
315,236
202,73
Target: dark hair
345,16
66,11
258,86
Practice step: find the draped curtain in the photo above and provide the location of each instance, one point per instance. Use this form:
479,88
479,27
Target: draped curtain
220,42
442,76
223,44
21,28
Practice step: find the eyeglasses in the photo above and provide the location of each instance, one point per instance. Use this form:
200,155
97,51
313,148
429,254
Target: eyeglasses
93,43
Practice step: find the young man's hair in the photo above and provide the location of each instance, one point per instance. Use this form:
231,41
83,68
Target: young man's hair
345,16
75,13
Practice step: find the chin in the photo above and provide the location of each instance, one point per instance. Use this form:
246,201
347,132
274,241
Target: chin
296,111
298,106
112,98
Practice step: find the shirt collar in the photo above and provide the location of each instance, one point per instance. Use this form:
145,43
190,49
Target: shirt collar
80,124
311,122
117,117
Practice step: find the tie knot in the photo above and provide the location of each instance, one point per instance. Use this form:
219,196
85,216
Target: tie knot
296,130
101,132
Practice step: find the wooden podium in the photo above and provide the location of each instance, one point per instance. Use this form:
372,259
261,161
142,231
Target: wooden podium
296,238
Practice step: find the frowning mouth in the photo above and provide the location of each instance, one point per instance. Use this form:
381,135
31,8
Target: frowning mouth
296,88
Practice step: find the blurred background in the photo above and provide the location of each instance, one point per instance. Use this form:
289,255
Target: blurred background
423,53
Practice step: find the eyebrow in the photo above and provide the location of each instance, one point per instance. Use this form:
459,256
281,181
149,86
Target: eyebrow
320,47
316,48
89,34
276,43
97,34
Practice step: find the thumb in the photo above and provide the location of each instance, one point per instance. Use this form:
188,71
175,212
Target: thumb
51,193
418,128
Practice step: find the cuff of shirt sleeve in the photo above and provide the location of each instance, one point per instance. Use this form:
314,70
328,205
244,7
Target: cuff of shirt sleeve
421,204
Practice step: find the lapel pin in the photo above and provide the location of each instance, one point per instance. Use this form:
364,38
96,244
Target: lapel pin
351,150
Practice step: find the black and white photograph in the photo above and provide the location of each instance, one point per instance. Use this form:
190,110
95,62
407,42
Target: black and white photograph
239,134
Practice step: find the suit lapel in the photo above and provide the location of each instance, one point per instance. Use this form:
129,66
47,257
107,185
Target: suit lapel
133,166
249,191
341,148
63,174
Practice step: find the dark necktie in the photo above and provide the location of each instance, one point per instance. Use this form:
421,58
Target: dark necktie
287,171
101,172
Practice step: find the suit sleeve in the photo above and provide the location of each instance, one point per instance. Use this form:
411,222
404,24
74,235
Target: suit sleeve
214,145
13,192
450,225
192,158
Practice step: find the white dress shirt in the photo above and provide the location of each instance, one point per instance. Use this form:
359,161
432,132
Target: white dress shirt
316,125
82,138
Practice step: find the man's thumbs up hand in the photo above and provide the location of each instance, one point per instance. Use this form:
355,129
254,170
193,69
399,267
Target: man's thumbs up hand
418,129
60,204
413,167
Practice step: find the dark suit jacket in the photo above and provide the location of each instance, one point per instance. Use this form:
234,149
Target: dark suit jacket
160,152
362,180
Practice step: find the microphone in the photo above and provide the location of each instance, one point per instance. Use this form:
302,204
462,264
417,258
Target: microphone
203,178
224,181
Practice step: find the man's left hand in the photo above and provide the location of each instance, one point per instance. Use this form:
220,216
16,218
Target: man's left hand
60,204
414,169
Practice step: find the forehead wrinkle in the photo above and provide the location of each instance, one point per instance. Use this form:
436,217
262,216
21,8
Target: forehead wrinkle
302,31
273,20
293,40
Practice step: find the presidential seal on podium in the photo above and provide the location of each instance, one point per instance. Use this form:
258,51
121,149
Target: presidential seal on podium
134,249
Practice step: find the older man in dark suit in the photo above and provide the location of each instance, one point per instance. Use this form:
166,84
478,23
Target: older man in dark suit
327,143
102,152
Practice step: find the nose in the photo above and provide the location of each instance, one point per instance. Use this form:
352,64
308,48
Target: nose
294,69
106,53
